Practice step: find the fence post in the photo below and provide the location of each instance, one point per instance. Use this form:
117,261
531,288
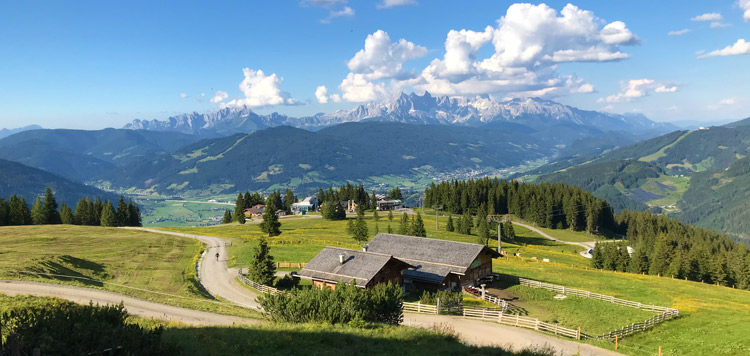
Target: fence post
500,318
578,334
617,339
517,317
437,307
536,324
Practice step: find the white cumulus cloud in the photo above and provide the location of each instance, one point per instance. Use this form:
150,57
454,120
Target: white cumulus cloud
745,5
183,95
356,88
261,90
321,93
385,4
637,88
382,58
323,3
715,25
345,12
679,32
586,88
739,47
711,16
219,96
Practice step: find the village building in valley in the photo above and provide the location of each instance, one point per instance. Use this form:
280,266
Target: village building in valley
415,262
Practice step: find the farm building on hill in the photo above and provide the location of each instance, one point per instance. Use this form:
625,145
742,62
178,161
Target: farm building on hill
256,210
437,263
365,269
417,262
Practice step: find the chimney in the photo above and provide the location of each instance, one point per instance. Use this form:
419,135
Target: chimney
364,248
341,257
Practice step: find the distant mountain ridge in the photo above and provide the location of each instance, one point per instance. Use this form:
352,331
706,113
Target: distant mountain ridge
7,132
413,109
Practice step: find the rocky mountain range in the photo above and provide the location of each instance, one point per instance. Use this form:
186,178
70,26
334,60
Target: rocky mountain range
411,108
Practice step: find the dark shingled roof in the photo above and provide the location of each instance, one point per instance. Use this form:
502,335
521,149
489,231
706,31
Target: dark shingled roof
434,259
358,266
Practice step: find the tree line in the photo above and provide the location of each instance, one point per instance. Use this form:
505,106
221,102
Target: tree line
667,247
248,200
555,206
15,211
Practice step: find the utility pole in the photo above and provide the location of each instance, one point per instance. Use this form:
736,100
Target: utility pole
499,219
437,208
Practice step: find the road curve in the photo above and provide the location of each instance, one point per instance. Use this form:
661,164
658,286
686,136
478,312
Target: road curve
484,333
586,245
215,276
134,306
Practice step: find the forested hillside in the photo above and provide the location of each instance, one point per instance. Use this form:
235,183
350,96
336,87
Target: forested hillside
83,155
28,182
305,160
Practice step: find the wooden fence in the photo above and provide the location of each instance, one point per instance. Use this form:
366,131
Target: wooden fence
290,264
664,313
521,321
421,308
262,288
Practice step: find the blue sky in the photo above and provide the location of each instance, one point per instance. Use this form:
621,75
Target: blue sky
95,64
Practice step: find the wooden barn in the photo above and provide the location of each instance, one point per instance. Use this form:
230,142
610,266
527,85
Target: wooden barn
365,269
436,263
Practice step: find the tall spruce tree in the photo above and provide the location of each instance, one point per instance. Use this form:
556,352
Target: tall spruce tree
50,207
66,215
390,215
404,226
270,224
109,216
19,211
417,226
134,214
239,209
227,217
262,267
38,214
289,199
449,225
484,232
122,214
4,212
98,208
359,228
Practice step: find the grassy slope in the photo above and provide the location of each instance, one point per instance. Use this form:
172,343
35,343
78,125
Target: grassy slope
713,318
286,339
136,259
660,153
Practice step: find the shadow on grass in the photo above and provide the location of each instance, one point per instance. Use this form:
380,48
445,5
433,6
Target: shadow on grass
284,339
67,267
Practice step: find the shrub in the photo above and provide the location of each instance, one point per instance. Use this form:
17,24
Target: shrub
446,297
346,304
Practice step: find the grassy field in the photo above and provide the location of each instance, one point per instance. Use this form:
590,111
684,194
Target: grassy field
713,320
121,258
302,239
672,188
162,212
300,339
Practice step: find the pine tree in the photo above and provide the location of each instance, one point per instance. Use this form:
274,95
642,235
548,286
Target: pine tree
390,215
50,208
403,227
350,226
395,193
417,226
109,216
262,267
239,209
38,214
97,210
289,199
374,202
66,215
227,217
375,216
81,212
359,230
270,224
122,214
134,214
332,210
19,211
449,225
4,212
466,223
508,232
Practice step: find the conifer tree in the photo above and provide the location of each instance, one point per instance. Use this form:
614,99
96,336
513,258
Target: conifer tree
81,212
19,211
262,267
122,214
390,215
270,224
50,207
227,217
97,211
134,214
4,212
375,216
403,228
449,225
374,202
466,223
239,209
359,229
109,216
484,232
66,215
289,199
38,214
349,226
417,226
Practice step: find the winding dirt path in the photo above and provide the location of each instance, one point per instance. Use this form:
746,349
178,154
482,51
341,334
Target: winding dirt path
134,306
586,245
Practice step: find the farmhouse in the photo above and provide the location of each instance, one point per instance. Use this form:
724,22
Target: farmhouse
256,210
437,263
365,269
389,204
